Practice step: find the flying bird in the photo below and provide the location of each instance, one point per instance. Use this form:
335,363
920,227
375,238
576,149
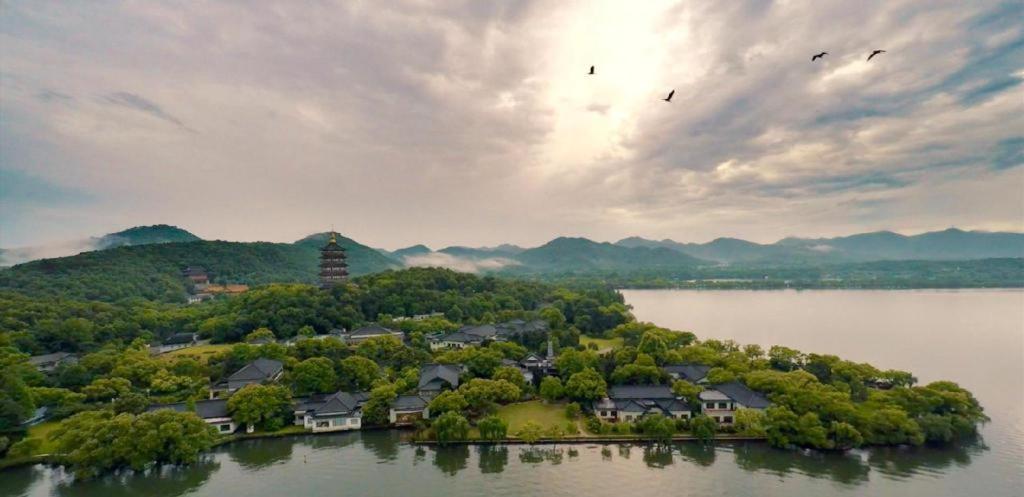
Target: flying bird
876,52
818,56
669,97
591,71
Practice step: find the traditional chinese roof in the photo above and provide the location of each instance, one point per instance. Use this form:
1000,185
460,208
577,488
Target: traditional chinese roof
434,376
742,394
258,370
689,372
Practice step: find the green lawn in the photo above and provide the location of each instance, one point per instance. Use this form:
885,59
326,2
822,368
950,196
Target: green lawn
603,344
201,353
547,415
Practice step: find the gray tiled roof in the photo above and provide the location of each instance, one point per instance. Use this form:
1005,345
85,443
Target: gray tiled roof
641,392
740,393
372,330
46,358
408,402
206,409
434,375
258,370
690,372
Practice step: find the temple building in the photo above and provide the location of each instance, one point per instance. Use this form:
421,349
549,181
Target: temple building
333,268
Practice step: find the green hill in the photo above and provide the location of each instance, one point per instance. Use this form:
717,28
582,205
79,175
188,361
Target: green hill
146,235
153,271
583,255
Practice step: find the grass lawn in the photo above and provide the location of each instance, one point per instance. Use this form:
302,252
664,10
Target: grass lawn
547,415
201,353
603,344
41,432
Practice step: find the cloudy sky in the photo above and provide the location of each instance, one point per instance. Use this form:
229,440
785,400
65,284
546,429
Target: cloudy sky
473,123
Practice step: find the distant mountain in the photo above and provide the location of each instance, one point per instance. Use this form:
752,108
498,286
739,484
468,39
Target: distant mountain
476,253
951,244
414,250
139,235
145,235
582,255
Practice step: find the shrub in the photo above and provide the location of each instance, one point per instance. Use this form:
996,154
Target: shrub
573,410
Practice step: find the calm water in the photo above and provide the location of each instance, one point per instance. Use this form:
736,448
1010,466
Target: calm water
973,337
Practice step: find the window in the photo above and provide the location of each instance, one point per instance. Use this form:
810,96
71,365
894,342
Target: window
604,413
323,424
723,405
727,419
224,428
709,405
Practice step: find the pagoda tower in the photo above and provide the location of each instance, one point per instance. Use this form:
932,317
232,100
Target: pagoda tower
333,268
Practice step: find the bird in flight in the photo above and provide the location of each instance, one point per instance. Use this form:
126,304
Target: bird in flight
876,52
669,97
818,56
591,71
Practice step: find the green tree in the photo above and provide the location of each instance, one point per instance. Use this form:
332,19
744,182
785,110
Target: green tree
844,436
687,390
657,427
377,408
483,394
315,375
551,388
449,427
587,385
703,427
530,432
104,389
358,372
511,375
260,335
448,401
750,423
266,407
572,361
493,428
573,410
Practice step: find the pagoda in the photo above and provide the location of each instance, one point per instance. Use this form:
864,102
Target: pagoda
333,268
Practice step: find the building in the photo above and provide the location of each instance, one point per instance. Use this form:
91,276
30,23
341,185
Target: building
631,402
477,335
47,363
199,297
408,409
196,274
693,373
175,342
721,401
437,377
256,372
339,411
371,331
214,412
333,265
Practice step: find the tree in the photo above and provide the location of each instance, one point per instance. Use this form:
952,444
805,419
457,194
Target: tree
641,372
551,388
530,432
449,427
657,427
306,332
511,375
266,407
447,401
94,442
844,436
586,385
377,409
134,403
482,394
104,389
573,410
358,372
687,390
554,317
314,375
703,427
750,423
784,358
260,335
572,361
720,375
493,428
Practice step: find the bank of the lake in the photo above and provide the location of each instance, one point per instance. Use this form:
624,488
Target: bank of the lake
973,337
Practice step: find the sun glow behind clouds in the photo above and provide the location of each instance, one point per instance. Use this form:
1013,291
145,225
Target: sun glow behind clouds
594,115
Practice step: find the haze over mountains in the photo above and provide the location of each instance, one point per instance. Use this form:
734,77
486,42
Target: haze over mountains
581,254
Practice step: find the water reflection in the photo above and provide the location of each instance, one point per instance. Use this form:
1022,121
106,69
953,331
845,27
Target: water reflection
493,458
847,468
383,444
172,480
697,453
539,454
905,462
451,460
658,456
261,453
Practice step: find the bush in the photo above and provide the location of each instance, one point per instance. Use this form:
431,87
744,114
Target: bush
25,447
571,428
703,427
593,424
451,426
530,432
493,428
573,410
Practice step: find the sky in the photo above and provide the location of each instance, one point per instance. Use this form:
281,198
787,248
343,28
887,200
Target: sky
475,123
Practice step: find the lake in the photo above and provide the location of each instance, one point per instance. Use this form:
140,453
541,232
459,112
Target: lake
973,337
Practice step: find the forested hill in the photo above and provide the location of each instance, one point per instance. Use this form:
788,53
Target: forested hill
146,235
153,271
